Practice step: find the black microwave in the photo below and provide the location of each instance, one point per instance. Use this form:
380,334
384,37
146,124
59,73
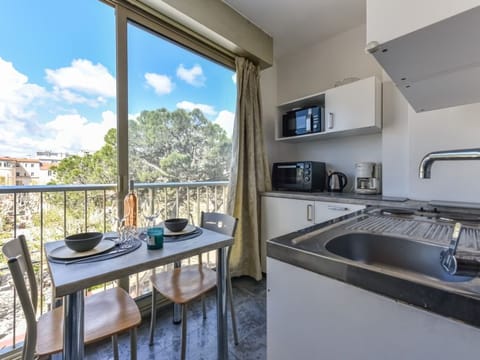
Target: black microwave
299,176
303,121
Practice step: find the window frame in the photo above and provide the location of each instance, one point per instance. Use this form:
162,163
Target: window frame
154,22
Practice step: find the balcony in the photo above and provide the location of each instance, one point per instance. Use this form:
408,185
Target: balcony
48,213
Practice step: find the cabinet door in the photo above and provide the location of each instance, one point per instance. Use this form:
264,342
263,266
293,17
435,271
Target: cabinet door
388,20
325,211
311,316
353,106
295,328
281,216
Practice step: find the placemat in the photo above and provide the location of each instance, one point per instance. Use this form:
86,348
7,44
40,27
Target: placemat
65,253
194,234
189,229
118,250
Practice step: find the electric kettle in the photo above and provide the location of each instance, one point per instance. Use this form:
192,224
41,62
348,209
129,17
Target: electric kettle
336,182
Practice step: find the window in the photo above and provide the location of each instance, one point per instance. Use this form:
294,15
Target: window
32,173
18,173
67,89
182,111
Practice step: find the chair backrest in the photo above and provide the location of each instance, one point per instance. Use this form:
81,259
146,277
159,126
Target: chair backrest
20,265
221,223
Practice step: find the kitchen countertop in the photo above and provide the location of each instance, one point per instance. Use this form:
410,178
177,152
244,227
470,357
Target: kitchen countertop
457,300
374,200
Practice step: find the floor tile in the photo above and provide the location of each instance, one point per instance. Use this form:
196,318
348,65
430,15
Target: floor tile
250,309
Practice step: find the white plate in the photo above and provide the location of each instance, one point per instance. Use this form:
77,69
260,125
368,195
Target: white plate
64,252
188,230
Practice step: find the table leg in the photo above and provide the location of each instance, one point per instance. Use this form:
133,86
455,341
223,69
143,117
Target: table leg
222,332
177,309
73,308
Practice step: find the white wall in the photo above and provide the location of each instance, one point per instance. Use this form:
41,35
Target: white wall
276,151
406,136
313,70
447,129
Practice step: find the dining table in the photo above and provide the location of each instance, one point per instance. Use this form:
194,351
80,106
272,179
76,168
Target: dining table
70,279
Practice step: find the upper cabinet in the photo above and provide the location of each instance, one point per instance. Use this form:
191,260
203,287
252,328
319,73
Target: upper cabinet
428,48
350,109
354,108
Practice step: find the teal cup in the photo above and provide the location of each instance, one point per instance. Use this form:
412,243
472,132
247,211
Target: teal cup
155,238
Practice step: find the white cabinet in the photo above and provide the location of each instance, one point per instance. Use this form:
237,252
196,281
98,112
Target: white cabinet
311,316
350,109
325,211
388,20
281,216
428,48
353,107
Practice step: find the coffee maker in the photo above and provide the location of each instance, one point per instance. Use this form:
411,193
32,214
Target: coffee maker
368,178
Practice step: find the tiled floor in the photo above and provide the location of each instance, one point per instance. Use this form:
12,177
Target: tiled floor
250,307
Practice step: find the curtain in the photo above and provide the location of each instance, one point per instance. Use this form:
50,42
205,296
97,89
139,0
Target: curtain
249,172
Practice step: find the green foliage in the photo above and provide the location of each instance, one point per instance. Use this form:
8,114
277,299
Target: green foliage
177,147
164,146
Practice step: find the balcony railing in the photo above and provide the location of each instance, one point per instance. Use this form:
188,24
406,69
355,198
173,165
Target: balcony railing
49,213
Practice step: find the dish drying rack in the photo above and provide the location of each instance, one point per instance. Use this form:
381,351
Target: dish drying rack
437,232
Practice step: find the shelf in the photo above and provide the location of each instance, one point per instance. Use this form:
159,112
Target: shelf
350,109
328,135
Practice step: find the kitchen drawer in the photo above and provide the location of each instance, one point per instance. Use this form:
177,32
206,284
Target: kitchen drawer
325,211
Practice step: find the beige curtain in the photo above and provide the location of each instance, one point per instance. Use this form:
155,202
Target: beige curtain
249,173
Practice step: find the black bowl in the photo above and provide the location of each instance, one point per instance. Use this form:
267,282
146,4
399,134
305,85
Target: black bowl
83,241
176,225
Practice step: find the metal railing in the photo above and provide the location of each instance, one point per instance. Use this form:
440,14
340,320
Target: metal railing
50,212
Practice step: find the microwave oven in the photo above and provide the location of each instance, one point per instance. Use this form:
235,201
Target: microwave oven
303,121
299,176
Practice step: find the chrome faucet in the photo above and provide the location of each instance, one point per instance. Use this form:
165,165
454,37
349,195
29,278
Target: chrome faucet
430,158
447,256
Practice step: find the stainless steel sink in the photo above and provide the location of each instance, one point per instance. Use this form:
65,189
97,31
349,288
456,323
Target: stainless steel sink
391,252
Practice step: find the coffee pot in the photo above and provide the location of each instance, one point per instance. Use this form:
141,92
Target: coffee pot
336,181
368,178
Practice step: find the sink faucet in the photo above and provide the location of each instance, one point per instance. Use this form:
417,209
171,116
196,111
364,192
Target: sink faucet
447,256
430,158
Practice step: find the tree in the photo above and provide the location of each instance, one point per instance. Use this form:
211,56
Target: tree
163,147
178,146
97,168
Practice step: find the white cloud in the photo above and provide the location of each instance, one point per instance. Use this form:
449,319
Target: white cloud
134,116
193,76
16,94
234,78
84,77
23,104
73,132
226,120
189,106
162,84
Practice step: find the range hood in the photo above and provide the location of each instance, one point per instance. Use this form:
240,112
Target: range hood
437,66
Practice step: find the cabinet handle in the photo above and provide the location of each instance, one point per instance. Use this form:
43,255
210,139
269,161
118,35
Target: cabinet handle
309,213
330,121
338,208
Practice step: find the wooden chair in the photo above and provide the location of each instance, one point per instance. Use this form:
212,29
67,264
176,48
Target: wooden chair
184,284
106,313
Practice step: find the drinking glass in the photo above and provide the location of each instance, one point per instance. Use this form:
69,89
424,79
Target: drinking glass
150,220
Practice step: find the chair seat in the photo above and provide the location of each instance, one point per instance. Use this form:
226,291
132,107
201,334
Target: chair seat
185,284
106,313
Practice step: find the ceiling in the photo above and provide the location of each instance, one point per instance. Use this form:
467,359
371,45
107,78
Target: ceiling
294,24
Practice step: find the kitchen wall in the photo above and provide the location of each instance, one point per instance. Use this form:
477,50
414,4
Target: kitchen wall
313,70
406,135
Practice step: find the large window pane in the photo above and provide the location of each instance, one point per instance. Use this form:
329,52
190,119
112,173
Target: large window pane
181,114
57,107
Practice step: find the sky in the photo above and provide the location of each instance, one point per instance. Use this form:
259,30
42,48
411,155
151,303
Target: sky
57,77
